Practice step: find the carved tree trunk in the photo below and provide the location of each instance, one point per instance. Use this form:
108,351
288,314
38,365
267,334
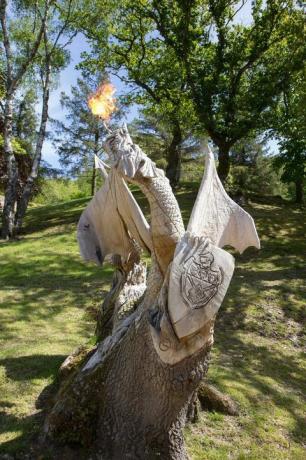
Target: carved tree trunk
126,402
130,405
131,395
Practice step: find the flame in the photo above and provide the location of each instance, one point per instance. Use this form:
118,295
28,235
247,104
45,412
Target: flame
102,102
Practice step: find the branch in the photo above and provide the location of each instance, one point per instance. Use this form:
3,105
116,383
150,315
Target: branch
69,41
236,12
131,42
64,26
6,43
147,88
160,25
33,52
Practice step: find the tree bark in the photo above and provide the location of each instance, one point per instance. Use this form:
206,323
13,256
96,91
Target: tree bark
12,172
299,191
126,402
224,161
93,180
173,170
129,405
28,189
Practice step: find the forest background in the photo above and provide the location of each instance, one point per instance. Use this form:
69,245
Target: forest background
186,72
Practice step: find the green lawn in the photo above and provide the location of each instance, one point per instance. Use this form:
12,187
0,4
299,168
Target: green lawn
47,294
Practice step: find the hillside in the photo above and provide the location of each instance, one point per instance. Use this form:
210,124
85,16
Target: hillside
47,296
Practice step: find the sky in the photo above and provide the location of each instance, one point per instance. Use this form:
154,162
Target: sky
69,78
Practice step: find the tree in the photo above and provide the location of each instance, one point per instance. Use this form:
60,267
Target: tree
23,137
252,169
52,58
79,138
21,39
123,45
130,396
233,73
156,137
289,122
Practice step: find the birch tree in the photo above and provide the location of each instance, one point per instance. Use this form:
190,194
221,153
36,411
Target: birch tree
20,44
51,59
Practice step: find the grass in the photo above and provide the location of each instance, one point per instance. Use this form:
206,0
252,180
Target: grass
46,293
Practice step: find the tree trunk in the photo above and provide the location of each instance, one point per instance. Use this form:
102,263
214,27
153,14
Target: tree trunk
224,161
93,180
12,83
12,172
28,188
127,403
173,170
299,191
94,174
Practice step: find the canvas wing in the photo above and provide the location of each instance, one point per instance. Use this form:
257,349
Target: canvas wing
131,214
99,164
110,221
216,216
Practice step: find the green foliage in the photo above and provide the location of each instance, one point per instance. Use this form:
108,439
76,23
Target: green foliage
17,145
260,179
154,134
124,42
196,64
252,170
59,190
289,126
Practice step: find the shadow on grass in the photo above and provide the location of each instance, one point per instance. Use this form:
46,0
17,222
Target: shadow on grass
257,366
25,368
32,367
54,215
28,428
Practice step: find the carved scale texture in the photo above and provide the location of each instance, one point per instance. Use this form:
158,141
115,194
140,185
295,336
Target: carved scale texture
167,226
